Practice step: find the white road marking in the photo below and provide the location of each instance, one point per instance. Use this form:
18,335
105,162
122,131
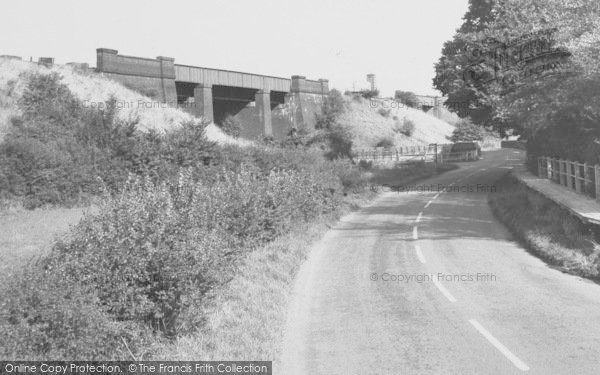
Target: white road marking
420,254
503,349
419,217
444,291
428,203
415,233
436,196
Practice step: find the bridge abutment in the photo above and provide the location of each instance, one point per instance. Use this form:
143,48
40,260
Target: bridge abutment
154,78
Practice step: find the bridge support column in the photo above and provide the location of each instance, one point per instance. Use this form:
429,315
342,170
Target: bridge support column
263,112
203,102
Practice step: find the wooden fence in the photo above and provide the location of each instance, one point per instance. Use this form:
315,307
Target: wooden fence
408,154
579,177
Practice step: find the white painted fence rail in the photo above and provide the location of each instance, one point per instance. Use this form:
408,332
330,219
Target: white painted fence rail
582,178
408,154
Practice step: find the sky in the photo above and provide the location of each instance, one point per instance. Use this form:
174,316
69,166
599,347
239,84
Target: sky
398,41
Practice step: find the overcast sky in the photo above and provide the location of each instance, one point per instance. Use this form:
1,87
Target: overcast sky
399,41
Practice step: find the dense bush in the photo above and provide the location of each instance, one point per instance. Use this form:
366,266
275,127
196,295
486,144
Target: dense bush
386,142
333,107
466,131
231,126
408,127
384,112
44,316
572,133
340,141
151,252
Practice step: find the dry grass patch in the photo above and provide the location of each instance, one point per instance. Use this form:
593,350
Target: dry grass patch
368,125
26,234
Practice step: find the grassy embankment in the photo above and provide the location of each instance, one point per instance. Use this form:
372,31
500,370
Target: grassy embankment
548,230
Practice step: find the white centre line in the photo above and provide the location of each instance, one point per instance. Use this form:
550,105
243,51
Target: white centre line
420,254
428,203
503,349
444,291
436,196
415,233
419,217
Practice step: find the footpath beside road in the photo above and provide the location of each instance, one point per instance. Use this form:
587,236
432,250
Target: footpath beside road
586,208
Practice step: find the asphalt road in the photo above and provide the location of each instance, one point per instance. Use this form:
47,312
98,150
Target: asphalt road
428,283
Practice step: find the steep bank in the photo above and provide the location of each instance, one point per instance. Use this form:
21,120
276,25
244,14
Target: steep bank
93,90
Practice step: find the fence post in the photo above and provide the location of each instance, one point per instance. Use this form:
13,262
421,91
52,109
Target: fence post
550,169
563,179
586,179
577,177
597,182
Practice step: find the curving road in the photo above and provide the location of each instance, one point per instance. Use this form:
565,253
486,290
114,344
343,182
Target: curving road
428,283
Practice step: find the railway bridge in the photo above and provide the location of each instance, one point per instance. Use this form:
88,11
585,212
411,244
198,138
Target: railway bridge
265,105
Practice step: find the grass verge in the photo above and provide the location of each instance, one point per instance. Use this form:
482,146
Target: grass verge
548,230
25,234
408,173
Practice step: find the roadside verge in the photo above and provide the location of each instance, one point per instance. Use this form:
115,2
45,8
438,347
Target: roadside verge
549,230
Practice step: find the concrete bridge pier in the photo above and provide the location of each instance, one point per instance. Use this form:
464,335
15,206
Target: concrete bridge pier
263,112
203,102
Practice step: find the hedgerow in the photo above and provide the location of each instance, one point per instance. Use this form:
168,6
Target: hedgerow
152,251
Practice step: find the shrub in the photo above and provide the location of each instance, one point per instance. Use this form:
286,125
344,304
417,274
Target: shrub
365,165
46,317
408,98
384,112
466,131
408,127
386,142
231,126
155,249
333,107
340,142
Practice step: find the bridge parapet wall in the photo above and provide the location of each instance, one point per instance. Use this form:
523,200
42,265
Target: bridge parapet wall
152,77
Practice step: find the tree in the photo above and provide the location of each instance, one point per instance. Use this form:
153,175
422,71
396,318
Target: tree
483,82
333,107
458,76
